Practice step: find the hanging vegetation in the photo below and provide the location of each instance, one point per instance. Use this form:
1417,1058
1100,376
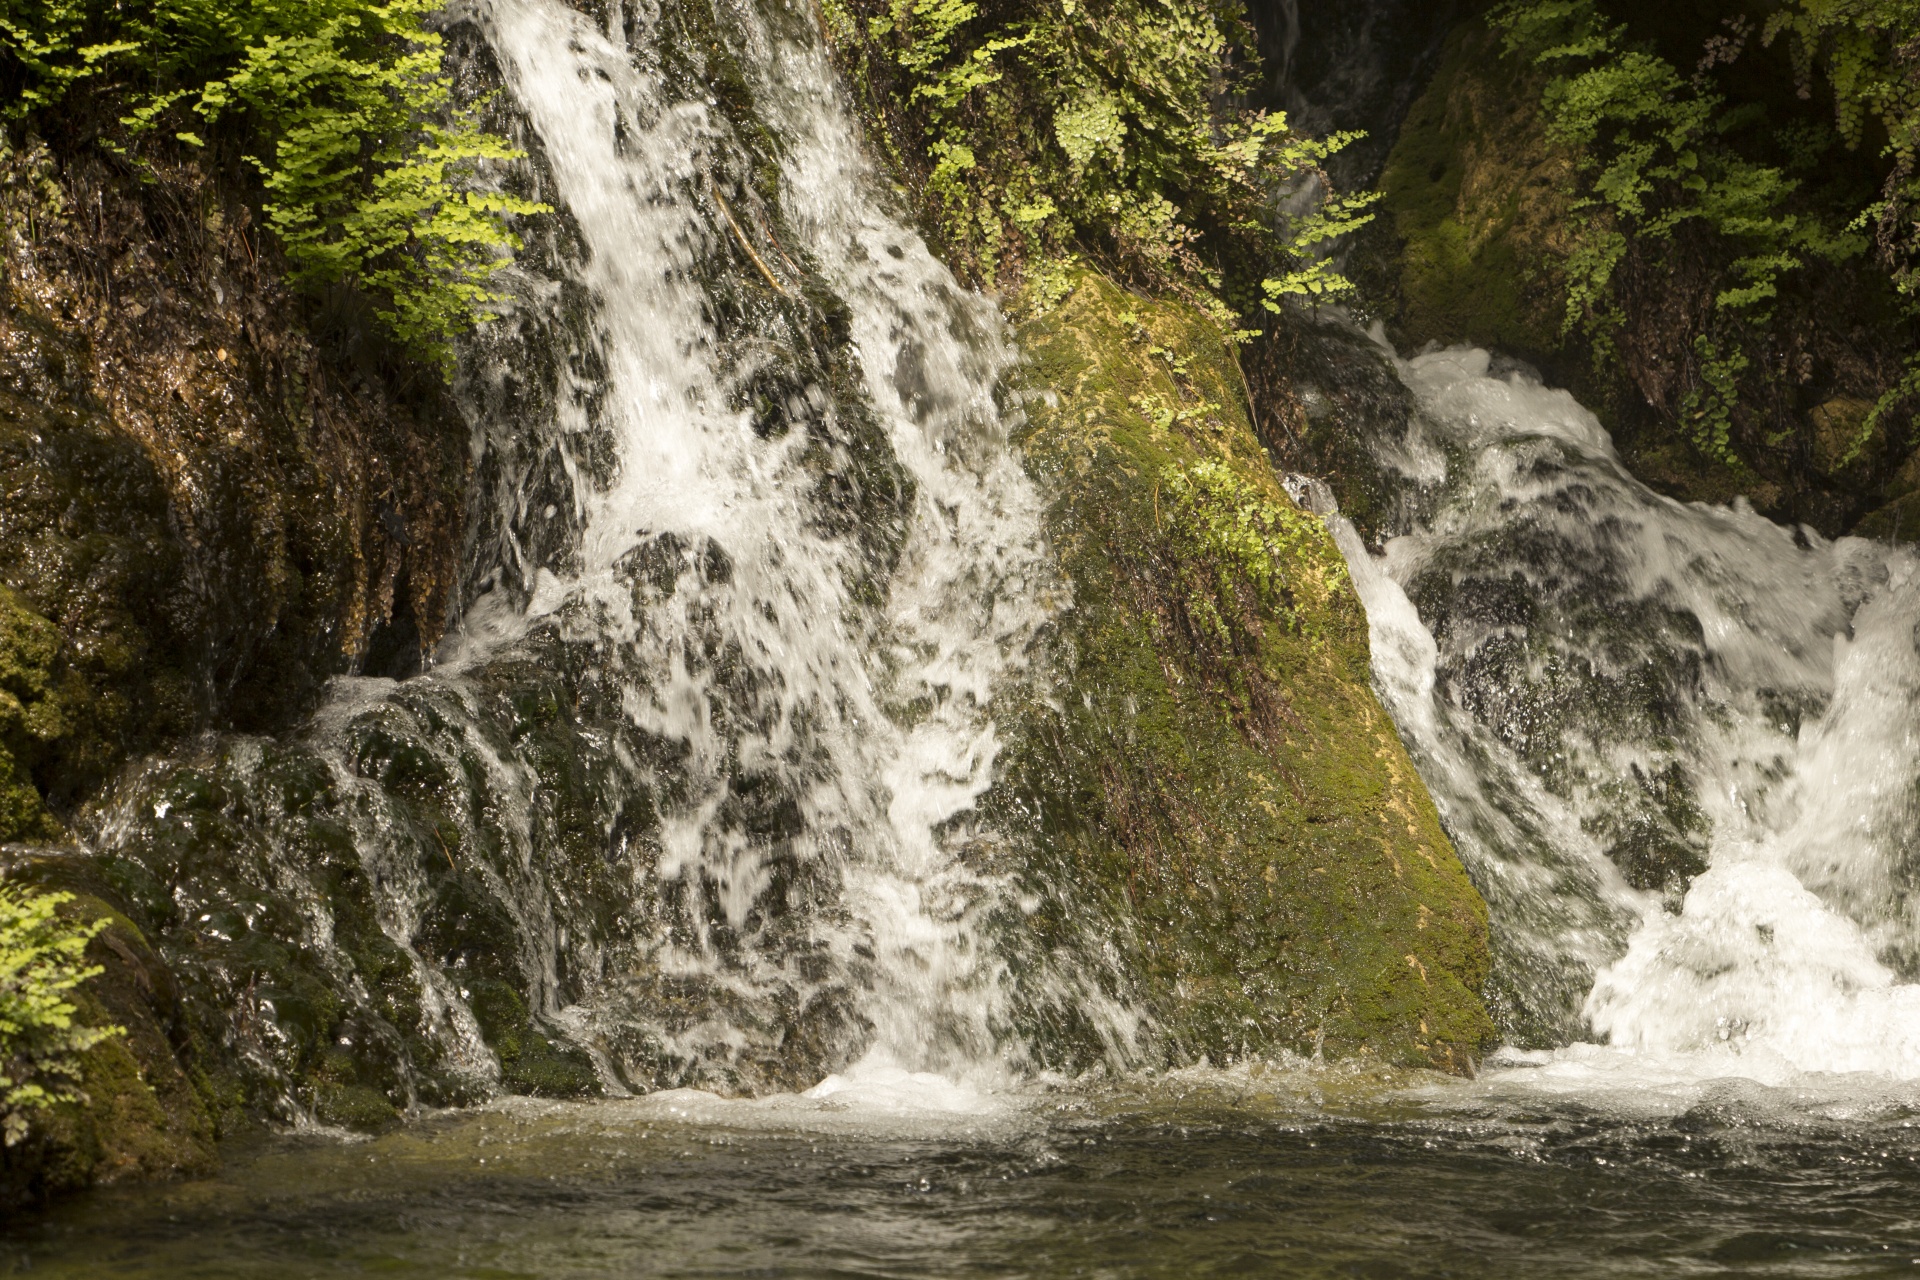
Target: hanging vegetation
1036,133
1667,152
343,107
42,959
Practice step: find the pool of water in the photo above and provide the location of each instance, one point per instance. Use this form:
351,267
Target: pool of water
1536,1170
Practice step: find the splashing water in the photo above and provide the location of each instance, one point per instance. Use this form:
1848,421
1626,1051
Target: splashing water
1675,743
959,604
762,561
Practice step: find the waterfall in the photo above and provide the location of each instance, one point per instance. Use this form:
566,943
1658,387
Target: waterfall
676,803
887,708
1675,743
684,799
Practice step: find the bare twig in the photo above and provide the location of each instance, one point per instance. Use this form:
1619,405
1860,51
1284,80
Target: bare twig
746,244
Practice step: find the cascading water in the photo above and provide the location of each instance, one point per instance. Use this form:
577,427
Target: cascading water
1675,743
874,721
673,803
684,802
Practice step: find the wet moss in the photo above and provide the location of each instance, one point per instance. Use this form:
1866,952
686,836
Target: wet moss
530,1061
1479,202
1898,521
1216,794
33,715
144,1111
351,1106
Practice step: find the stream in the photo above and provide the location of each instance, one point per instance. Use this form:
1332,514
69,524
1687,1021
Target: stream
1196,1174
764,528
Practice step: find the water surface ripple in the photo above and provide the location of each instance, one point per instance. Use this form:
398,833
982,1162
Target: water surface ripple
1195,1174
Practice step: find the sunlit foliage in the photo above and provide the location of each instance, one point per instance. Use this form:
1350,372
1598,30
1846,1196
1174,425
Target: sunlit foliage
344,107
1071,127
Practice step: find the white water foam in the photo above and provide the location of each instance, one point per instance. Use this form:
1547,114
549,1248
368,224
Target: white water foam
892,712
1792,954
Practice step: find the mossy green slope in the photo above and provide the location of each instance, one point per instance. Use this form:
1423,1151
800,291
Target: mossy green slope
1217,792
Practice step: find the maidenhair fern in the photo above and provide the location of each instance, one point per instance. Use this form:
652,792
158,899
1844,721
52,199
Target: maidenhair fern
344,108
1057,128
1657,157
42,959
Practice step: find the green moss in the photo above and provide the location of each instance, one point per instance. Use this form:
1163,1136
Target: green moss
530,1062
353,1106
1479,201
1898,521
1218,791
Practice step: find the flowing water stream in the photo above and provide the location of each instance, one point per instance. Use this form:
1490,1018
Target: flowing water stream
679,806
757,563
1675,743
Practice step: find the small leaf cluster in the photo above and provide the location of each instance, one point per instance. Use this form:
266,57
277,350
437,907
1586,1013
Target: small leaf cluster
42,959
343,107
1040,131
1868,52
1228,533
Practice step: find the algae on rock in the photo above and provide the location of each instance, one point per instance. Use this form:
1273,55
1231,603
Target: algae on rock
1216,792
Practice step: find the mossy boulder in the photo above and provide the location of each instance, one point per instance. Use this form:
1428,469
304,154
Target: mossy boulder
146,1108
1480,202
1899,519
530,1062
1845,436
1216,797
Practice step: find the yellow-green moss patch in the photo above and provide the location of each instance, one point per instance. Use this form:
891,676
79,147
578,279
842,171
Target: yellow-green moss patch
1218,781
1480,201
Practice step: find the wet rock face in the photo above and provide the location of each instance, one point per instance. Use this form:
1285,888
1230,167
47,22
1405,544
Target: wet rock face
213,498
1329,405
1350,66
1215,790
212,512
444,887
447,887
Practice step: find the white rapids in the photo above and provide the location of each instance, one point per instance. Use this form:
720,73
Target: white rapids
1759,683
